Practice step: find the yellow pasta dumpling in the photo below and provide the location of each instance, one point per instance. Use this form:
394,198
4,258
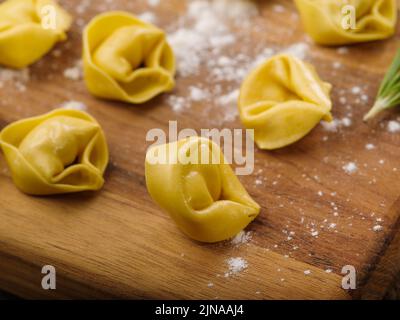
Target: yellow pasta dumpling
191,180
283,100
63,151
29,29
339,22
126,59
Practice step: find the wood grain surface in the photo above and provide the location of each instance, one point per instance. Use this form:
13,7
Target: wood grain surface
117,243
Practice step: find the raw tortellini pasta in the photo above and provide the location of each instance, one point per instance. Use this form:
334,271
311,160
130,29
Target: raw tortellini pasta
126,59
205,198
282,100
323,20
63,151
29,29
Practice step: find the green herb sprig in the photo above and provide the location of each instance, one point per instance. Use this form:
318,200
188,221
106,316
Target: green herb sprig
389,91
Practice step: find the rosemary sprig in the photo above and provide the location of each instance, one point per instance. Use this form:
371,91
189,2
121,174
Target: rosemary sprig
389,91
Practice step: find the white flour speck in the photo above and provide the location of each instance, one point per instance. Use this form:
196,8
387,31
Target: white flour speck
393,126
148,17
74,105
75,72
236,265
241,238
153,3
377,228
369,146
350,167
356,90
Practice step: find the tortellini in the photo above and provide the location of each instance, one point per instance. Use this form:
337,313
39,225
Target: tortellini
283,100
29,29
196,186
327,21
63,151
126,59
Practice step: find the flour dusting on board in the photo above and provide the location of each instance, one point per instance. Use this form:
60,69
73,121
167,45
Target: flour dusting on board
393,126
17,78
148,17
75,72
206,31
74,105
350,167
236,265
205,44
242,237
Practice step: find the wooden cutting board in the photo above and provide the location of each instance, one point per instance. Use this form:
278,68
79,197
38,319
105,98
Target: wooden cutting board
117,243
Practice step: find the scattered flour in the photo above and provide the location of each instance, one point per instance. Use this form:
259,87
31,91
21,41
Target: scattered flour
264,55
204,41
336,124
365,97
237,10
337,65
83,6
242,237
198,94
343,50
229,98
148,17
75,72
188,47
332,226
278,8
346,122
153,3
299,50
177,103
342,99
19,78
207,31
355,90
393,126
236,265
74,105
226,68
370,146
330,126
350,168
